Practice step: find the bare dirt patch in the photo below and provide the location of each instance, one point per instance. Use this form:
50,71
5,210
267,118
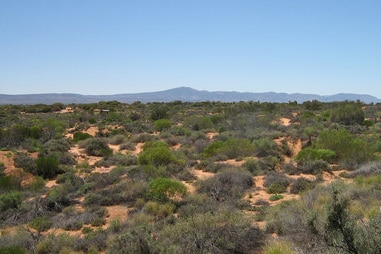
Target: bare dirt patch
202,175
103,169
114,148
6,157
93,130
211,135
285,121
232,162
51,183
138,148
116,212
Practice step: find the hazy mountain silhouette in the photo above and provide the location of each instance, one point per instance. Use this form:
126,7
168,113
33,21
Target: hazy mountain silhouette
185,94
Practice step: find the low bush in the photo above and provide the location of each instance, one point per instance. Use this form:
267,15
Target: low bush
164,189
230,148
79,136
159,211
22,160
301,185
157,154
226,185
162,124
117,159
48,166
314,167
96,147
215,232
40,224
276,183
278,247
10,200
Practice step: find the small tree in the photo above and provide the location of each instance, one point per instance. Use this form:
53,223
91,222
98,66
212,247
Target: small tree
47,166
348,114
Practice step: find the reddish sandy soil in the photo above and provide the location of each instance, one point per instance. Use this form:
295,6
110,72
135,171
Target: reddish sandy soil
6,157
285,121
233,162
211,135
138,149
115,212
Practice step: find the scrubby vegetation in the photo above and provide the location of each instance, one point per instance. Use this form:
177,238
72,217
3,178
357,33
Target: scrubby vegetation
205,177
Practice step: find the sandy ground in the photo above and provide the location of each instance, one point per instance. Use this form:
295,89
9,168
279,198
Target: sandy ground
6,157
211,135
285,121
116,212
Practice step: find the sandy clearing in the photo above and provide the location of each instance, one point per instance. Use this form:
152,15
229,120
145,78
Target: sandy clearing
6,157
116,212
201,175
51,183
92,130
285,121
138,148
114,148
211,135
232,162
191,189
102,169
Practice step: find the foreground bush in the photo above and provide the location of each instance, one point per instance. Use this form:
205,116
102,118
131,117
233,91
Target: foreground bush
220,232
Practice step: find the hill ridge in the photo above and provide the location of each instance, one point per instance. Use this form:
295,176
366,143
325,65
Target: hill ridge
183,93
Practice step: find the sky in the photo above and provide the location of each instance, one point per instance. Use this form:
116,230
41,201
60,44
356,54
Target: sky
95,47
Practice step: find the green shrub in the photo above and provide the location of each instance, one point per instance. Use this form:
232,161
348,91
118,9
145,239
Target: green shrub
97,147
227,185
157,154
159,211
159,112
9,182
10,200
162,124
213,232
308,154
276,183
47,166
117,139
264,147
13,250
350,150
164,189
278,247
253,166
22,160
275,197
348,114
301,185
98,222
2,168
314,167
115,225
40,224
231,148
197,123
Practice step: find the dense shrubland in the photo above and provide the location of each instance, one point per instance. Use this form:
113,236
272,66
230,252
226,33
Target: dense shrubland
186,176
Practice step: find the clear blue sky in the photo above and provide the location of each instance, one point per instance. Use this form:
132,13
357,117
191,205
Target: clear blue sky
129,46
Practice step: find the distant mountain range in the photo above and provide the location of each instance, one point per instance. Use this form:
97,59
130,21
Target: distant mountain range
185,94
